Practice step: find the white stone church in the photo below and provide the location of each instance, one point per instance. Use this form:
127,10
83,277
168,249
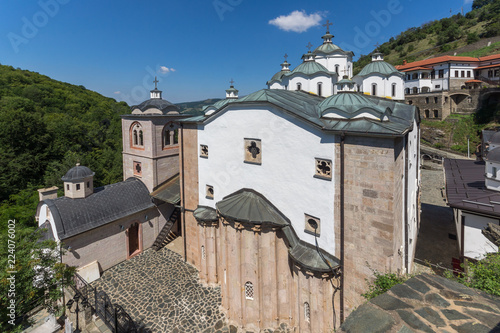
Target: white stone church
286,198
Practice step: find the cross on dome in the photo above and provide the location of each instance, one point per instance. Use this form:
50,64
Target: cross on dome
327,25
309,46
232,81
286,56
376,46
156,82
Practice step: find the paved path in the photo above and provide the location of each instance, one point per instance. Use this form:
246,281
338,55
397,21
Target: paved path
161,291
434,244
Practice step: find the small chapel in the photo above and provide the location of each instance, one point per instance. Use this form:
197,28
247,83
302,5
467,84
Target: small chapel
286,198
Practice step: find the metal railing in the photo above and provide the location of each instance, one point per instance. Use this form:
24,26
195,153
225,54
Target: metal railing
113,315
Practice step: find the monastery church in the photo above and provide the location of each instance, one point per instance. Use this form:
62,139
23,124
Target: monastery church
285,198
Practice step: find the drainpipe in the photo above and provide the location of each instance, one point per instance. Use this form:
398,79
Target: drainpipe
406,204
183,195
342,258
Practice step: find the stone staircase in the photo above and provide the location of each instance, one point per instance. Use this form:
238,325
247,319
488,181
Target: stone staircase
166,234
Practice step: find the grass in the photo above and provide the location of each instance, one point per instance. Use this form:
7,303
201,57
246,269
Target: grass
483,51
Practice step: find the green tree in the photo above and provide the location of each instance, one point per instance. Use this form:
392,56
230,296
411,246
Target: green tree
477,4
472,37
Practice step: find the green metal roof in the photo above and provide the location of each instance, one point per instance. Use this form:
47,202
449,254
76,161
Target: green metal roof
310,68
327,48
250,206
380,67
205,214
343,81
310,108
170,191
278,76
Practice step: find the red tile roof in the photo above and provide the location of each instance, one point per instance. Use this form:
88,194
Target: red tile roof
474,81
433,61
488,66
417,68
490,57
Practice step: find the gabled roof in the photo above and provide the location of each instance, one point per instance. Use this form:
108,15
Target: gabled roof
437,60
490,57
105,205
419,68
309,108
170,191
466,188
157,103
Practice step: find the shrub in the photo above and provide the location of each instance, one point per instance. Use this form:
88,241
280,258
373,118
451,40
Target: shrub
483,275
472,37
382,283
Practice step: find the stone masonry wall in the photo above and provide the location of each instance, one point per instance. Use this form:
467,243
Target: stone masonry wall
371,205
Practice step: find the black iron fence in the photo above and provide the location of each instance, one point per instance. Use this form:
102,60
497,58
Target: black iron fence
113,315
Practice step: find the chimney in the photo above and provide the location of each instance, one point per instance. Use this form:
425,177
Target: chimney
48,193
404,62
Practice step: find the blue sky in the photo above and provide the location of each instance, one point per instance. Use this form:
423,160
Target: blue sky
194,47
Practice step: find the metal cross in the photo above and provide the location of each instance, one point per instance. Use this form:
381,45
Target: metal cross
286,56
309,46
156,82
376,46
327,25
232,81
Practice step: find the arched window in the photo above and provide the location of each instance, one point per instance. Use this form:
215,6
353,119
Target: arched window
203,254
337,69
415,90
320,92
137,135
407,90
170,135
393,90
307,312
299,86
249,290
374,89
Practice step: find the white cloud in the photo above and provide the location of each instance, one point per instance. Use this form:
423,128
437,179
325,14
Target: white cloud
165,70
297,21
117,92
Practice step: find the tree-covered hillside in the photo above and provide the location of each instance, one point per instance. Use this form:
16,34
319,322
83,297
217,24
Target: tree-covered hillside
47,126
442,36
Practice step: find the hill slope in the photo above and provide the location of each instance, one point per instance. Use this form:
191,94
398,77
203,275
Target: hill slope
46,126
446,36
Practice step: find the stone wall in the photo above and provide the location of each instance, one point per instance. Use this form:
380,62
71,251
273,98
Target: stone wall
108,243
373,212
234,255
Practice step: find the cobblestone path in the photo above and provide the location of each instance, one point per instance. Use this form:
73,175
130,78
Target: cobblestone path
162,292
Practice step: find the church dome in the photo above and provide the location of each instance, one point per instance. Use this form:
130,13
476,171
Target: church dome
278,76
349,104
310,68
494,155
156,103
379,67
327,48
495,138
77,172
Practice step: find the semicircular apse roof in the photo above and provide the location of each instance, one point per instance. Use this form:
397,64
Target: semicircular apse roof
310,68
379,67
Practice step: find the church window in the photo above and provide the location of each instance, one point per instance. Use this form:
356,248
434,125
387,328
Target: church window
141,139
137,140
299,86
337,69
88,184
170,135
323,168
137,169
494,172
253,151
203,254
374,89
307,312
78,187
176,136
249,290
320,93
204,151
67,187
312,225
166,138
393,90
209,192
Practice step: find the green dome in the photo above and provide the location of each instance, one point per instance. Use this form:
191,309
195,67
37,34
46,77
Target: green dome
380,67
348,102
310,68
278,76
327,48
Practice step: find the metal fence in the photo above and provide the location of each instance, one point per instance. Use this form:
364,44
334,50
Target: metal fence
113,315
